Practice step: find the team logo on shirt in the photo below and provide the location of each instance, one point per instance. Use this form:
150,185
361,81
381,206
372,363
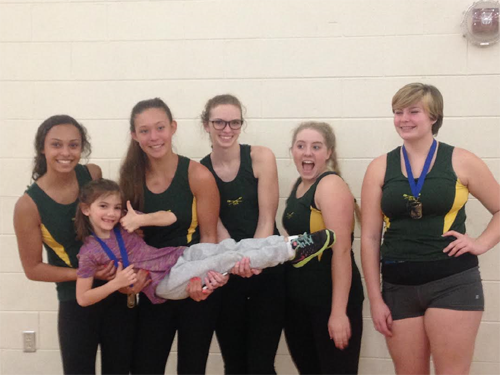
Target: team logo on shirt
289,215
234,202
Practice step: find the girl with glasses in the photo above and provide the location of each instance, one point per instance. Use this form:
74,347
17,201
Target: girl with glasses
251,318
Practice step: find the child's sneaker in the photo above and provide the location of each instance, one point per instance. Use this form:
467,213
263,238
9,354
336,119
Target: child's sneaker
310,245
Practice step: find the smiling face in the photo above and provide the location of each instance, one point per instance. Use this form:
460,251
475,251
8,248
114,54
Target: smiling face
226,137
62,148
310,154
413,122
104,213
153,132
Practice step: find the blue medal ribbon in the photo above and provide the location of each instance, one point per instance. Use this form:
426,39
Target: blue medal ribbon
416,188
121,245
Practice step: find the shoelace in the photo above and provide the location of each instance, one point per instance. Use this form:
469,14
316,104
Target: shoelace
305,240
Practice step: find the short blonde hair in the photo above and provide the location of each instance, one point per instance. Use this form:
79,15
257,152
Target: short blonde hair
430,97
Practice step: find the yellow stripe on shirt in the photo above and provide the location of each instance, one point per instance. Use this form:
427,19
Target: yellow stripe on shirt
194,222
55,246
461,196
316,222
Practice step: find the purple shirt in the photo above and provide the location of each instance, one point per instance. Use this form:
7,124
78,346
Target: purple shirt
157,261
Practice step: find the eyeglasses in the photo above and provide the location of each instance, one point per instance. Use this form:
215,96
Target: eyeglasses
221,124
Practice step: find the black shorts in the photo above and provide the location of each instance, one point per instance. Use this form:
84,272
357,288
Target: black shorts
462,291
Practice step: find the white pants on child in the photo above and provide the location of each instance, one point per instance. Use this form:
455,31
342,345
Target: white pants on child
198,259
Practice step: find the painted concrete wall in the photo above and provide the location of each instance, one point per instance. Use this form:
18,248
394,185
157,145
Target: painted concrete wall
288,61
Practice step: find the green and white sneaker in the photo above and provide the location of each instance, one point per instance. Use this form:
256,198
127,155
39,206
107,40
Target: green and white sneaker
310,245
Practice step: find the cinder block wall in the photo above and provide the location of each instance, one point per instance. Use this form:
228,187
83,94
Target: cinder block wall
288,61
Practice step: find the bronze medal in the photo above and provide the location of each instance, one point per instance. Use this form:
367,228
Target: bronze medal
415,209
413,203
131,301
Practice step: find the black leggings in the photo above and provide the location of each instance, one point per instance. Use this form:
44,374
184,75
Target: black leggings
156,328
250,322
109,323
312,350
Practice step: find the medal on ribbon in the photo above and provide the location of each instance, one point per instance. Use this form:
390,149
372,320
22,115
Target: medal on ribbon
131,298
413,204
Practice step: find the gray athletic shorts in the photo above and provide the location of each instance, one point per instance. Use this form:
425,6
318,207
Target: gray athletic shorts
462,291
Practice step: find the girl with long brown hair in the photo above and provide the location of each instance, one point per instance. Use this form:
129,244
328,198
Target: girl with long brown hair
155,180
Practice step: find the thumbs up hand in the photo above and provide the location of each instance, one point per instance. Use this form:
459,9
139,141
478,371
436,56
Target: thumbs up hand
132,220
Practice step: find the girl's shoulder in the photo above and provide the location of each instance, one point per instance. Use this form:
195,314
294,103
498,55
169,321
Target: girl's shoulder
198,174
262,154
89,246
26,205
329,178
329,183
263,162
378,165
94,170
26,212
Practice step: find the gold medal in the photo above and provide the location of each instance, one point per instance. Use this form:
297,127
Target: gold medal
131,300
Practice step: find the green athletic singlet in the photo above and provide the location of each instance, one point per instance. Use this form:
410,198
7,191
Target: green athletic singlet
179,199
239,208
312,284
443,200
58,231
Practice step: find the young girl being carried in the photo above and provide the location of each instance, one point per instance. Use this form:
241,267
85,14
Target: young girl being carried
170,268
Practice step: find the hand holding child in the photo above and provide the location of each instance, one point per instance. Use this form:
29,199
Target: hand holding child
106,272
213,280
243,269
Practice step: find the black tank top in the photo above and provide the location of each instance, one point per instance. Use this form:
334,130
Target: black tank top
239,201
443,200
312,283
412,250
179,199
58,231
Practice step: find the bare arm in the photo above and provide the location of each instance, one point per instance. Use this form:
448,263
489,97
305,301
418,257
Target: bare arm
266,171
86,295
336,203
371,235
95,171
474,174
222,232
205,191
133,220
27,225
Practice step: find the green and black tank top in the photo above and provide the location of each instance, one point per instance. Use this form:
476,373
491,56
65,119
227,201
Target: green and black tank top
179,199
239,200
58,231
406,241
312,283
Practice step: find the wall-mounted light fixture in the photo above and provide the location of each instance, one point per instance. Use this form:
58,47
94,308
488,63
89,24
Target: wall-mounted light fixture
480,24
